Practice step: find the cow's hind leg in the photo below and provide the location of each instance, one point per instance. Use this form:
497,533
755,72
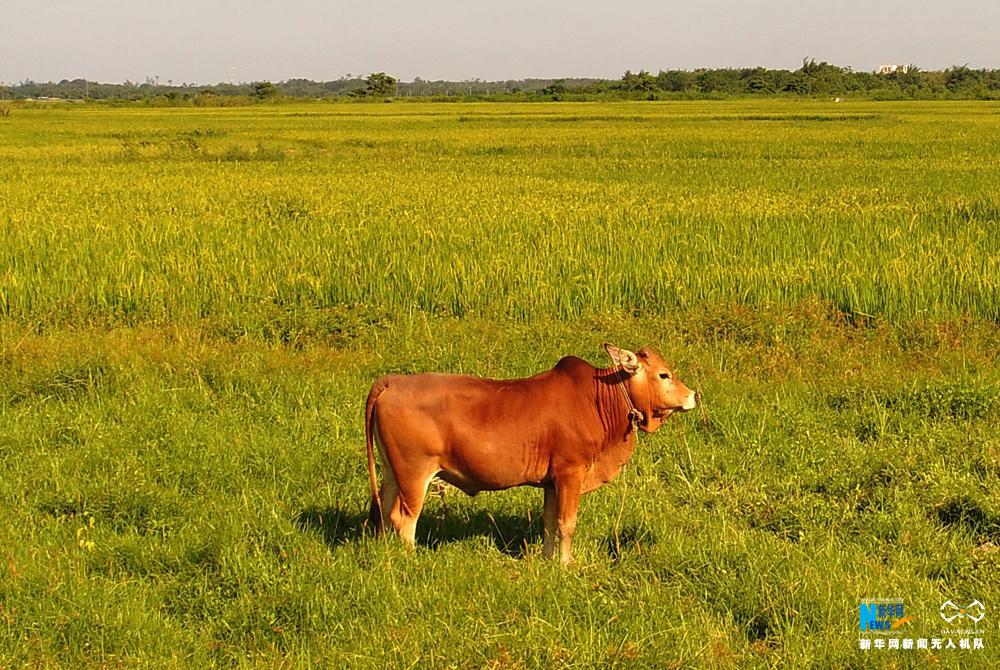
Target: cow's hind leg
409,503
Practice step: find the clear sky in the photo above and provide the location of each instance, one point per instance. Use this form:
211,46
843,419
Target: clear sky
209,41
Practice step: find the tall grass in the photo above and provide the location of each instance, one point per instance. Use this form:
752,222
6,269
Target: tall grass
883,209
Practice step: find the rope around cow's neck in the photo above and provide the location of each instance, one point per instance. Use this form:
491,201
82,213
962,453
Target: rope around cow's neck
635,416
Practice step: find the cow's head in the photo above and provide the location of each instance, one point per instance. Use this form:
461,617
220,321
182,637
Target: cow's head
654,389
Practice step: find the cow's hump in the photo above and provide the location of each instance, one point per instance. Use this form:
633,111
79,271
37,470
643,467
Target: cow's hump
575,367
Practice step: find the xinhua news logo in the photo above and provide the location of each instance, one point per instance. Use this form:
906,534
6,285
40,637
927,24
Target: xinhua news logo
882,616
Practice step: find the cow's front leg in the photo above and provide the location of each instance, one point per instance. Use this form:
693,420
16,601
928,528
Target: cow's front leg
551,517
568,494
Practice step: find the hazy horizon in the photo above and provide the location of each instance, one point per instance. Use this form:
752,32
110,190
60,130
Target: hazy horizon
222,40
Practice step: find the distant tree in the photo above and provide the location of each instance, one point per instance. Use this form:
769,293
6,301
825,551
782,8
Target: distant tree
961,78
822,77
265,90
555,89
674,80
907,78
643,81
380,85
760,80
796,83
717,81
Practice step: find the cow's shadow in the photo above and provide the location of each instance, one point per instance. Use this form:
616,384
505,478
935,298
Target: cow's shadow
510,534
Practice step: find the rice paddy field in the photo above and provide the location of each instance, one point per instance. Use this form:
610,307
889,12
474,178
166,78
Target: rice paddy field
194,303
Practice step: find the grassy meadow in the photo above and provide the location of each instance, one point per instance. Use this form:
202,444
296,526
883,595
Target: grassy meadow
194,302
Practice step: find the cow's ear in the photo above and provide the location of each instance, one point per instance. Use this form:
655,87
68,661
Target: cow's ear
623,357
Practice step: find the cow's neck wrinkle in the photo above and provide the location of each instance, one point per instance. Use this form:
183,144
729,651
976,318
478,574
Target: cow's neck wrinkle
618,443
612,408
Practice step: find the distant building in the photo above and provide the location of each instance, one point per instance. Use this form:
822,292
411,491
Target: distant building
889,69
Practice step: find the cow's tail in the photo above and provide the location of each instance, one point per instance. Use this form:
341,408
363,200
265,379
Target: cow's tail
375,510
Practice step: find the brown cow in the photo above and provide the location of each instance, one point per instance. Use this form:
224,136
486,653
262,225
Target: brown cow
567,430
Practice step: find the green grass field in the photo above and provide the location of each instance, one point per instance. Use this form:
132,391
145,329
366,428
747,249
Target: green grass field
193,304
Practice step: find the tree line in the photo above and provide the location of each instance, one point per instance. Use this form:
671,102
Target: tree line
821,79
813,79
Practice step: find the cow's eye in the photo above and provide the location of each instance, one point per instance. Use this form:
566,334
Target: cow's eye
664,375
